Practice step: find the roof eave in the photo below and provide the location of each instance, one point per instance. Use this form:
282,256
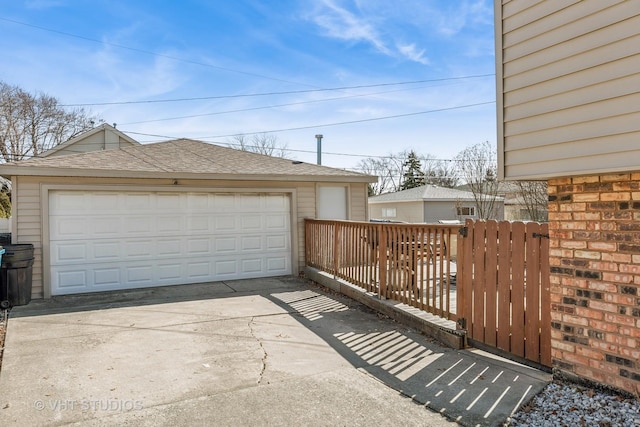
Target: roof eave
9,171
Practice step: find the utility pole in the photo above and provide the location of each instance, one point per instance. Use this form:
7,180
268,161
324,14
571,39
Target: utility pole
319,139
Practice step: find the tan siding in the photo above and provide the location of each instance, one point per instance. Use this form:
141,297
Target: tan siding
568,87
306,209
358,194
28,225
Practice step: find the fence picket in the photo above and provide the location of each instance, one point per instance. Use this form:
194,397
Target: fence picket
491,288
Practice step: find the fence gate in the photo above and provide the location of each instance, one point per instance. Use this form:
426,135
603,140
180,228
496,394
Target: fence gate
503,287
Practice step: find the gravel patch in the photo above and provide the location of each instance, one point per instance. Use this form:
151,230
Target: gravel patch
568,404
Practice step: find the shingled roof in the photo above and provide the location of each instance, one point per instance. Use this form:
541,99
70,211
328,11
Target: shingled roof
425,192
180,158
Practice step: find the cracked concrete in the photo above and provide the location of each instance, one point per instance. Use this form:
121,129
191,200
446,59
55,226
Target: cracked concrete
265,355
187,355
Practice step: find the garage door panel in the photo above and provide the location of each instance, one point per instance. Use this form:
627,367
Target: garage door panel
224,223
224,245
109,240
277,265
198,246
251,243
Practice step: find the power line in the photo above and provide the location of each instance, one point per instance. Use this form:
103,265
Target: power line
325,124
290,92
242,110
147,52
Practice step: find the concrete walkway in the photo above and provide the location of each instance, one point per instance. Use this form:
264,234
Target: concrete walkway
254,352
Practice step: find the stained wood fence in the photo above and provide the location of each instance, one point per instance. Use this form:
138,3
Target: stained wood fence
491,277
410,263
504,295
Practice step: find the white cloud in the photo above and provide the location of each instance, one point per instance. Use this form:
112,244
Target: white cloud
340,23
411,52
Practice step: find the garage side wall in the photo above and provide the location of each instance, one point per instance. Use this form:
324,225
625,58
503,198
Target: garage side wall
30,211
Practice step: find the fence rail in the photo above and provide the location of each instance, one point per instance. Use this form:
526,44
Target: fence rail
410,263
493,278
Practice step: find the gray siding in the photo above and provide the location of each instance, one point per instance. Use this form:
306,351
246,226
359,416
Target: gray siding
567,87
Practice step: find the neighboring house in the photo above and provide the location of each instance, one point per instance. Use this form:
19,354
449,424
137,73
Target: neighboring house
169,213
515,208
428,203
567,98
103,137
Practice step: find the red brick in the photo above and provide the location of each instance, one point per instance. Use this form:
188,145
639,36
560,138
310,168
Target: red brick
586,216
570,244
616,257
606,197
618,278
626,268
602,266
586,179
615,177
587,255
602,246
601,326
604,306
591,354
573,207
586,197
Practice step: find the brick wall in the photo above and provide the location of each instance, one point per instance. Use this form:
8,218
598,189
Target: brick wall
594,225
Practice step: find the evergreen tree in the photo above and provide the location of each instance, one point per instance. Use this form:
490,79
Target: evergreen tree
413,175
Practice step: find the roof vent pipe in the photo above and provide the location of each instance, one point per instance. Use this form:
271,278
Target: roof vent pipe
319,139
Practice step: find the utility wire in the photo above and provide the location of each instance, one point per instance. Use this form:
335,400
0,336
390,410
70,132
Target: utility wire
147,52
322,125
290,92
242,110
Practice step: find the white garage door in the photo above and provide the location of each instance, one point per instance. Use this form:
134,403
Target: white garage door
102,240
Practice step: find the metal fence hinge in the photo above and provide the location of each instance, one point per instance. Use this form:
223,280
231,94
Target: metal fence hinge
463,231
536,235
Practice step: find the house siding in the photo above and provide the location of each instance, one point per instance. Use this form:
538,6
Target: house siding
595,277
567,87
405,211
29,214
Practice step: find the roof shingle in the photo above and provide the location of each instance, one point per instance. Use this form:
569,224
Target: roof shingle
181,157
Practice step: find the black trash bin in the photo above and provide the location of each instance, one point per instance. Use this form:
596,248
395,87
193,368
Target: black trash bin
16,275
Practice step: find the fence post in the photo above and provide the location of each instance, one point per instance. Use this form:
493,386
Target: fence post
382,259
336,245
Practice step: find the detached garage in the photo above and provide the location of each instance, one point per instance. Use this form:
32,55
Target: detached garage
169,213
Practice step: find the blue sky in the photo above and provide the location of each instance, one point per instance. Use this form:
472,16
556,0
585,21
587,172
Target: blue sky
128,53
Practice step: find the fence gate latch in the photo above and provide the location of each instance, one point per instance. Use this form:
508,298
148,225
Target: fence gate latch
536,235
463,231
462,323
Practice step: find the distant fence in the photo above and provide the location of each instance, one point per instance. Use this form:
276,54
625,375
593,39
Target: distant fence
5,225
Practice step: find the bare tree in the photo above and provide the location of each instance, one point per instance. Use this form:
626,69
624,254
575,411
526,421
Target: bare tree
31,124
439,172
263,143
533,196
382,168
478,168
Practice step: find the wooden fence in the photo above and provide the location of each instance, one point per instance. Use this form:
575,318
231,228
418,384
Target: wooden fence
491,277
504,295
410,263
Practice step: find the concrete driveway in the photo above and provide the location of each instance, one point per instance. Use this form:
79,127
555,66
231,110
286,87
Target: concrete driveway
255,352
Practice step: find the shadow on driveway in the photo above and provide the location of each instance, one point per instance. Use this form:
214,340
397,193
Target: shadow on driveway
235,353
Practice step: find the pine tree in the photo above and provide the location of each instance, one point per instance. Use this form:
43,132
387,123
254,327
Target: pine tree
413,176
